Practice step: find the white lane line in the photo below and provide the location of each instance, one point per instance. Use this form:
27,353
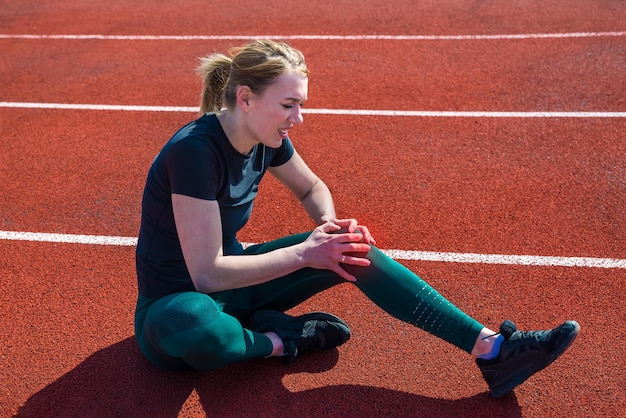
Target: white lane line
465,114
448,257
77,106
67,238
349,112
524,260
315,37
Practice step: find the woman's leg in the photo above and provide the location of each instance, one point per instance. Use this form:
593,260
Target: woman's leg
401,293
206,332
189,329
386,282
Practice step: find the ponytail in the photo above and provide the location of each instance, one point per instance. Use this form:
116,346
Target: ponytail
256,65
214,71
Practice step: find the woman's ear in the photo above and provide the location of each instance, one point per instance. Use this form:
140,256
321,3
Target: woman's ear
243,97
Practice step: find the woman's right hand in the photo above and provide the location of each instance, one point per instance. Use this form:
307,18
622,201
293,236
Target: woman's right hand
327,249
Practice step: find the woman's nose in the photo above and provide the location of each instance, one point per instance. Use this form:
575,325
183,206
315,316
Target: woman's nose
296,115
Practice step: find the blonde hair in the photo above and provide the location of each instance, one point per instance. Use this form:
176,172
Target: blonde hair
256,65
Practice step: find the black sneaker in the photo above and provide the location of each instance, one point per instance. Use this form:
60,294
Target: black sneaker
523,354
309,332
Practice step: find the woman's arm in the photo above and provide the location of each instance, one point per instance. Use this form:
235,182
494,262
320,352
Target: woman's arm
199,230
309,189
314,195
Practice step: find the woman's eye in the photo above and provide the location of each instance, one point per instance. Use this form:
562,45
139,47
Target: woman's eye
301,105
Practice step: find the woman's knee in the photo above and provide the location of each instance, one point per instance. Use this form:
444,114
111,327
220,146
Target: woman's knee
175,316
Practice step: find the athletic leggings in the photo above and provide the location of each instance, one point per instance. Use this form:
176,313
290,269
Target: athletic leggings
205,332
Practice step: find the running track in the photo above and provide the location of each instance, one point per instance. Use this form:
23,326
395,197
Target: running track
482,142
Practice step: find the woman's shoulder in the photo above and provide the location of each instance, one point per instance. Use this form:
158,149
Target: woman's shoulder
204,127
203,132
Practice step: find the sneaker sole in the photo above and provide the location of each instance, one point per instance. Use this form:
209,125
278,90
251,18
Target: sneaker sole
521,377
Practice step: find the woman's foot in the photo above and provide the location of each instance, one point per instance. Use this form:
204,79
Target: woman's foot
524,353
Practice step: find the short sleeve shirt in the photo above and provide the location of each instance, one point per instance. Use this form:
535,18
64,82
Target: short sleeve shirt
199,161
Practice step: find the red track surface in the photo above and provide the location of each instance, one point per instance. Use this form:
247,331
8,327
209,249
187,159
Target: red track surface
540,186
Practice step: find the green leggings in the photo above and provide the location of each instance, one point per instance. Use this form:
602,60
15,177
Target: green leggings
206,332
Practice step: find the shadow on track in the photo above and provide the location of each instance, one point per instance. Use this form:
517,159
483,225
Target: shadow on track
118,382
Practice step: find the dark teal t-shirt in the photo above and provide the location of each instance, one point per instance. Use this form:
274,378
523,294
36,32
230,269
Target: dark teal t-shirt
199,161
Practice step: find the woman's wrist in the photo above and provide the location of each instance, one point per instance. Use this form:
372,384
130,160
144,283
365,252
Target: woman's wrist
326,218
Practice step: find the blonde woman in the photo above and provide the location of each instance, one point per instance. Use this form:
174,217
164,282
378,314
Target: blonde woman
205,301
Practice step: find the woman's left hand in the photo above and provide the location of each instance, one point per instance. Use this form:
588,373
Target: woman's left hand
351,226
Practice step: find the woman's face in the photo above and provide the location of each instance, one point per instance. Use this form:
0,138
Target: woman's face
272,114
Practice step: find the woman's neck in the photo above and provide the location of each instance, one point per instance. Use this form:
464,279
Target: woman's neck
236,132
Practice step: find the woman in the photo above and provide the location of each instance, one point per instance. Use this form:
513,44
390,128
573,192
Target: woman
205,301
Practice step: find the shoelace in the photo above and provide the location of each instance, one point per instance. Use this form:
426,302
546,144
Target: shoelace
489,336
522,335
309,340
537,337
